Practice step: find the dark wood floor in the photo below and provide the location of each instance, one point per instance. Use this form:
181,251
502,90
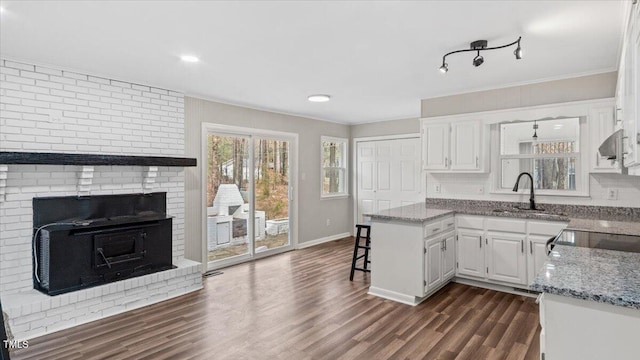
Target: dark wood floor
301,305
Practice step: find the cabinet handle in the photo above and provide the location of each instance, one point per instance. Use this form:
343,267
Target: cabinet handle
449,224
435,229
446,161
597,159
531,247
477,162
522,246
480,238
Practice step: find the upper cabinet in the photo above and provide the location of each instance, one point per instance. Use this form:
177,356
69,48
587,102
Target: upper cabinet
453,146
627,91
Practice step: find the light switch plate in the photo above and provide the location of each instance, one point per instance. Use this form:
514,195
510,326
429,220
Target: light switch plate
612,194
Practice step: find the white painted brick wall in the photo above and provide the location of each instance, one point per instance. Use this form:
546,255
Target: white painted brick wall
52,110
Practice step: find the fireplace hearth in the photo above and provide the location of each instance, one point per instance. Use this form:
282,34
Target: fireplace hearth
80,242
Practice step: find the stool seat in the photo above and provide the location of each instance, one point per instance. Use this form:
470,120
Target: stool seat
358,246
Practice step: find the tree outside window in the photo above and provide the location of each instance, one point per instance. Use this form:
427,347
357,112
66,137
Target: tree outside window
334,166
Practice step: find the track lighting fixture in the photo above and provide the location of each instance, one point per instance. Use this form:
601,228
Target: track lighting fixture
481,45
478,60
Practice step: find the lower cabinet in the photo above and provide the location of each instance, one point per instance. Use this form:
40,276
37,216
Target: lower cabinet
537,255
506,259
439,261
470,253
502,250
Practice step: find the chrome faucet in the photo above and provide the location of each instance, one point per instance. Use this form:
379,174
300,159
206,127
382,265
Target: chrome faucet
532,202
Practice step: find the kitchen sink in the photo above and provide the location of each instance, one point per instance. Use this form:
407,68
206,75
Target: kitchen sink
524,210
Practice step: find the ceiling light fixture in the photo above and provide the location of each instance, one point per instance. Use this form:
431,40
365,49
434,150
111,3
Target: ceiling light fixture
319,98
189,58
481,45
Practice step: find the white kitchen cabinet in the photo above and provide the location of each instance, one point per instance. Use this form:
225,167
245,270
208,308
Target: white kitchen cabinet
435,146
628,93
409,260
449,256
433,263
587,330
506,259
470,253
538,233
439,261
453,146
465,145
537,255
602,124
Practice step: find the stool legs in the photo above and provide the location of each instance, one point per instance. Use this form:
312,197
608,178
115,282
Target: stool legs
366,248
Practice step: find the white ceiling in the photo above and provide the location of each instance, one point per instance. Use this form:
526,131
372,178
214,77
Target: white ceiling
376,59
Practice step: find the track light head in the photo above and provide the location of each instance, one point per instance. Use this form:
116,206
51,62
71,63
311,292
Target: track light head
478,60
518,51
444,68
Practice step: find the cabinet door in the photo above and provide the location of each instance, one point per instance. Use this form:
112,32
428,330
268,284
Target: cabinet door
433,263
435,144
506,259
537,255
465,145
630,100
448,256
601,125
470,250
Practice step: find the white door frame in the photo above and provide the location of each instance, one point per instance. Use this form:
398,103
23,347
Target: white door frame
293,189
354,167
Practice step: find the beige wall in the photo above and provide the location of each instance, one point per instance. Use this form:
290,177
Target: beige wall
589,87
392,127
312,210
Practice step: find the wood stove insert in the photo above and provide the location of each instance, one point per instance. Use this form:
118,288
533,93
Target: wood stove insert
80,242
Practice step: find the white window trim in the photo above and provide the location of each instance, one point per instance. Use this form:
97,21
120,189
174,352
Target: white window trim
345,193
582,166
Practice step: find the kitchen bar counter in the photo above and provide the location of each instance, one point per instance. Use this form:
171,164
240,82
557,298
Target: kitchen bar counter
604,276
411,213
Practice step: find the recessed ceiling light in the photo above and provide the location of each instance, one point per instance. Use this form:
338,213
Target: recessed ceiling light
189,58
319,98
1,10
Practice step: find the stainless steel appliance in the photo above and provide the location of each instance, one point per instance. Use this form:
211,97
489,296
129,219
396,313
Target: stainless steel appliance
597,240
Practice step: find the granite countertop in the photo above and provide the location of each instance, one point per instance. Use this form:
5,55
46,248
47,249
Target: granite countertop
604,276
587,218
411,213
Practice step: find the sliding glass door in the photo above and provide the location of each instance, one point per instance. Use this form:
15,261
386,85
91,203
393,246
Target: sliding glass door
248,195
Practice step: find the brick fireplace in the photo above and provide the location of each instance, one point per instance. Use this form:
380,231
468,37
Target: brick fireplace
56,111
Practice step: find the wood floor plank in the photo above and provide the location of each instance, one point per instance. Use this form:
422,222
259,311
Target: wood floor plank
301,305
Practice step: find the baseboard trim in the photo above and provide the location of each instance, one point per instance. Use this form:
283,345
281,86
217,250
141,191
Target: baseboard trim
325,239
395,296
496,287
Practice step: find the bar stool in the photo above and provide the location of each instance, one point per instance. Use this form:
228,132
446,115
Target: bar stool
366,247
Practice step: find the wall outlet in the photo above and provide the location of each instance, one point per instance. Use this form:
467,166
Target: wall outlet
437,188
612,194
328,222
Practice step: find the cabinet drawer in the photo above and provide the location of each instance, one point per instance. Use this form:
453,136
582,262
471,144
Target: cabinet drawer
545,228
448,224
470,222
507,225
432,228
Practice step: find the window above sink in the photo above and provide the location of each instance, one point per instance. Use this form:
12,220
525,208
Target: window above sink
550,150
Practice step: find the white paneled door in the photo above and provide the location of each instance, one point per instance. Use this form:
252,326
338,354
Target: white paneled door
388,174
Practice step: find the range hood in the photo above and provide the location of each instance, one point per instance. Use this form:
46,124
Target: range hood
611,148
